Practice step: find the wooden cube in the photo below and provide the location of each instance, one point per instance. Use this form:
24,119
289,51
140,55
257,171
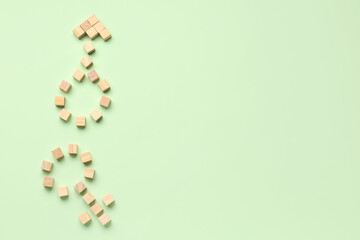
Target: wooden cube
104,219
105,34
79,32
65,86
99,27
85,157
104,85
80,121
96,208
57,153
93,76
96,115
88,198
105,101
93,20
108,199
78,75
73,149
48,182
89,173
64,115
46,166
92,33
89,47
86,62
60,101
63,191
85,26
84,218
80,187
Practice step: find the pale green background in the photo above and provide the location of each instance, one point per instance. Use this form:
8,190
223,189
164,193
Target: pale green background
229,120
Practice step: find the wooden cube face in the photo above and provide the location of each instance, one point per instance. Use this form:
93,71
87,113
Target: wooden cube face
96,115
65,86
85,26
108,199
84,218
46,166
85,157
93,76
63,191
60,101
99,27
48,182
96,209
105,101
80,187
78,75
88,198
73,149
80,121
89,47
104,85
92,33
89,173
93,20
79,32
86,62
105,34
64,115
57,153
104,219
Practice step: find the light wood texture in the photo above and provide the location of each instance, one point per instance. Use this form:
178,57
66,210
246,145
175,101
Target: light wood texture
105,101
78,75
93,20
84,218
64,115
65,86
46,166
104,219
86,62
96,115
92,33
85,26
79,32
89,173
93,76
108,199
99,27
96,208
104,85
48,182
105,34
73,149
60,101
80,121
63,191
88,198
89,47
85,157
57,153
80,187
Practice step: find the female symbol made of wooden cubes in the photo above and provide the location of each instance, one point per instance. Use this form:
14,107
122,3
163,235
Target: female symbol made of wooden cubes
92,27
